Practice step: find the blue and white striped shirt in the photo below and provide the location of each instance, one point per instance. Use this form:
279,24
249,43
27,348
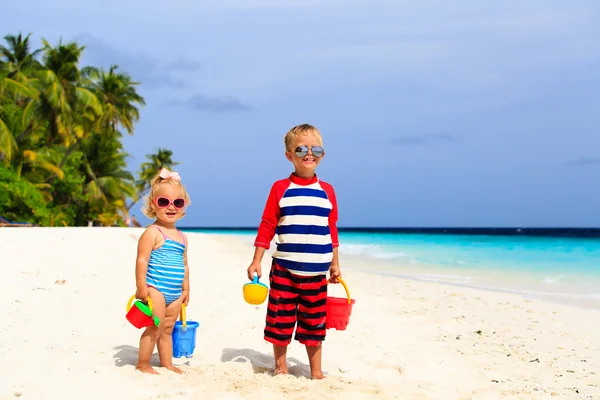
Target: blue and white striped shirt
302,214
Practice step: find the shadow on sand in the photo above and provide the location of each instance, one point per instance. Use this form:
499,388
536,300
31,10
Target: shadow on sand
262,363
128,355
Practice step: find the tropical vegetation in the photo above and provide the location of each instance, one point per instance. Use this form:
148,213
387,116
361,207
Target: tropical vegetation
62,161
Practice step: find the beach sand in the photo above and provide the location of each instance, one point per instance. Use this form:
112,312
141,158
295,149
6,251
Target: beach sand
63,332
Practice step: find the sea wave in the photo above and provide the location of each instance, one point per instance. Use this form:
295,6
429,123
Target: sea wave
553,279
443,278
538,293
373,250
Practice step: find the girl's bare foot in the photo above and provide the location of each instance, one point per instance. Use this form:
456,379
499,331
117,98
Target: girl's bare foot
174,369
280,371
318,375
146,369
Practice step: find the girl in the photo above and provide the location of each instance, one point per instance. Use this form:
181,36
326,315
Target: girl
161,270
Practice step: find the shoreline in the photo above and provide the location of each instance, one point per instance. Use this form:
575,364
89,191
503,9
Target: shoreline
515,283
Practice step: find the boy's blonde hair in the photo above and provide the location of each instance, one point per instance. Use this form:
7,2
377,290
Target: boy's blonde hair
300,130
157,182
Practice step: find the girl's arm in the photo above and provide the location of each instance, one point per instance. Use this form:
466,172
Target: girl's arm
145,246
186,278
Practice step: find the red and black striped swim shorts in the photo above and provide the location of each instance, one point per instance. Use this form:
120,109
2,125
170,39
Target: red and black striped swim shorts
294,298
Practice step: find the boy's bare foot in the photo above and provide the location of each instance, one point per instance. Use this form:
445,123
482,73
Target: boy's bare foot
174,369
280,371
318,375
146,369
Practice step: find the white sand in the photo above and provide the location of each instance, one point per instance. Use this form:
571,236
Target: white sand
406,339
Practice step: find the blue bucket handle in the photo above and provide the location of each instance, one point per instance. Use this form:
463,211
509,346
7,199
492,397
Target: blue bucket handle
256,280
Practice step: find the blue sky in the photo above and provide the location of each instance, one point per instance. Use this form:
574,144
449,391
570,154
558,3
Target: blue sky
434,113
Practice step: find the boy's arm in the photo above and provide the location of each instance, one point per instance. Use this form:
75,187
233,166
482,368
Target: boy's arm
267,227
333,219
334,269
335,261
268,224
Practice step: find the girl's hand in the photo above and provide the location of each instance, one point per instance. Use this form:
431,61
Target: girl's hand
334,273
142,293
185,297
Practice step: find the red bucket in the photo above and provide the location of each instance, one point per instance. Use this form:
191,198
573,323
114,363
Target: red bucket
339,310
140,314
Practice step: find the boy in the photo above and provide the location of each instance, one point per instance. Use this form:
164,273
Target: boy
303,212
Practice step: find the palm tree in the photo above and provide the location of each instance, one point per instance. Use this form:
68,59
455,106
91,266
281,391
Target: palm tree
66,103
18,58
108,182
163,158
61,129
17,64
120,100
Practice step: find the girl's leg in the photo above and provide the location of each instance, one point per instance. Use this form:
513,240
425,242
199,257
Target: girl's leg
165,341
150,335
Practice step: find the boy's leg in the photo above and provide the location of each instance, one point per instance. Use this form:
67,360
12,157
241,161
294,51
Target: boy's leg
312,320
165,340
314,359
150,335
281,315
280,355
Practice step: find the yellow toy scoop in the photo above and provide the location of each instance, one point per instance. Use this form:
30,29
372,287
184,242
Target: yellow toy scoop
255,292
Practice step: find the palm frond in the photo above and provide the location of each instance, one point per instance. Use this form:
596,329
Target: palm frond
8,145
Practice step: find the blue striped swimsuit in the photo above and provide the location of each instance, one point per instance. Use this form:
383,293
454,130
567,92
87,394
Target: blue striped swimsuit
166,268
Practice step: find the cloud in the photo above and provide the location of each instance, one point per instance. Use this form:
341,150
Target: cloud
150,71
585,162
221,104
421,140
184,65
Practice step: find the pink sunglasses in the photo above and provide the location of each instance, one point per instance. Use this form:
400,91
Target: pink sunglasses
163,202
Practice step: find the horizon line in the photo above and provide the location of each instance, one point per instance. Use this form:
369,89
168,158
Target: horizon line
413,227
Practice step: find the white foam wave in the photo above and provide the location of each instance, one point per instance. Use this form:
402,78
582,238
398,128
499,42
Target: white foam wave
553,279
373,250
443,278
588,296
359,248
398,254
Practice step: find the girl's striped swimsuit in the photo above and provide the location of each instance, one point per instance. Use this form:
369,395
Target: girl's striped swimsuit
166,268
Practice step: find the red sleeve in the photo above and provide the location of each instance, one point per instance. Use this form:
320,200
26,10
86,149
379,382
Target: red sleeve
270,217
333,215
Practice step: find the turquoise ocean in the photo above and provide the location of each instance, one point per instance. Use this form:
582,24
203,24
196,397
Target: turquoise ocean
558,265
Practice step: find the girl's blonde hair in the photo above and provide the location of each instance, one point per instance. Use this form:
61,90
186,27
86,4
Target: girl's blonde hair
164,177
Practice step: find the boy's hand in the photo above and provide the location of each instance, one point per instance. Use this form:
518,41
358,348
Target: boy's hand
142,293
185,297
334,273
255,267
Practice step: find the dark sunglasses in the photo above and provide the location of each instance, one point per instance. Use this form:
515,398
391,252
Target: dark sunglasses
316,151
163,202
